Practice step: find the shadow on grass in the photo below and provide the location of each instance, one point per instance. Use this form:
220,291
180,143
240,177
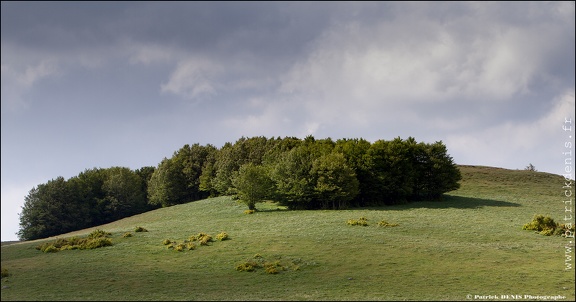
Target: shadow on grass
456,202
447,202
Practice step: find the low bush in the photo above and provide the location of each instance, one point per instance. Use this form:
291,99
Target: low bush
249,211
50,248
246,266
127,234
362,221
180,247
544,225
202,238
271,270
5,273
565,230
98,242
96,239
140,229
270,267
98,234
222,236
384,223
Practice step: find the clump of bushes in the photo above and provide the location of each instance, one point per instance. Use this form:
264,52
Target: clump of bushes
272,267
362,221
545,225
96,239
202,238
140,229
98,234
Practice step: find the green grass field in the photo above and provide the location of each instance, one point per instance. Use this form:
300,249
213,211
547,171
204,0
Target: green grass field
471,243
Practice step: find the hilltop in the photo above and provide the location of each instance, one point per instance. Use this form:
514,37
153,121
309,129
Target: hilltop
470,243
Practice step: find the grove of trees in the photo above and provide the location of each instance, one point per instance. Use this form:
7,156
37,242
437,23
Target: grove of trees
304,173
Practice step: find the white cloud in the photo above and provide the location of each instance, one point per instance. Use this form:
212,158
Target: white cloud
193,78
18,79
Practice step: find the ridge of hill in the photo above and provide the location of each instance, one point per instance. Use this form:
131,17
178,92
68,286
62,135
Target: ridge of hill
470,243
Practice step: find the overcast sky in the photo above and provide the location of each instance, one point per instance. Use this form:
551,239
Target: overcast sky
105,84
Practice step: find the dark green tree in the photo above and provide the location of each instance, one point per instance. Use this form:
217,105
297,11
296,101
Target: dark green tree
51,209
168,185
294,182
253,184
355,152
193,160
145,173
336,183
442,174
123,194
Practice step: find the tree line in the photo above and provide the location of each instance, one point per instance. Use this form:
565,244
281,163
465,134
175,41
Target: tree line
304,173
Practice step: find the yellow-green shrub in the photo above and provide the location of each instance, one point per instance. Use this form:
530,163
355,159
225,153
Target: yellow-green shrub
384,223
140,229
98,234
543,225
362,221
222,236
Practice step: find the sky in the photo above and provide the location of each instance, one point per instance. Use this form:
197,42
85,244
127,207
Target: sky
101,84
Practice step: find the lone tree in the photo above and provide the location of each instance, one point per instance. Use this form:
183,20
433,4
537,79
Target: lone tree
530,167
253,184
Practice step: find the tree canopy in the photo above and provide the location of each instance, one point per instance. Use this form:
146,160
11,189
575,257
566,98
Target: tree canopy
304,173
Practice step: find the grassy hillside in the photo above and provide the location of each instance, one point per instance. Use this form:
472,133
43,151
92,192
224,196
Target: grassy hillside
472,243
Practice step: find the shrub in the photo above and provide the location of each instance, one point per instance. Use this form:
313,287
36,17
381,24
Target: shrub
271,270
222,236
543,225
270,267
249,211
98,233
384,223
140,229
204,238
565,230
5,273
98,242
94,240
362,221
166,241
127,234
180,247
191,246
50,249
246,267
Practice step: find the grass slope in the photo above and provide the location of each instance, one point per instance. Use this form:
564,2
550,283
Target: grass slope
472,243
